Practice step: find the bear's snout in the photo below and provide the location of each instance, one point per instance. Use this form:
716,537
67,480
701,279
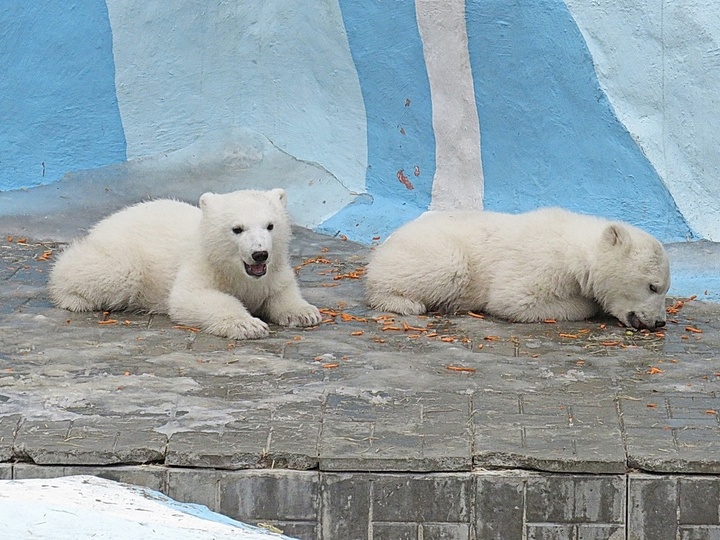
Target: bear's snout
260,256
637,323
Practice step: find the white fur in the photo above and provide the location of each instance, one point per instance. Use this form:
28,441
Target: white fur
170,257
545,264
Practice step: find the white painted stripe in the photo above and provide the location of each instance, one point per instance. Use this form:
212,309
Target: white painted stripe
458,181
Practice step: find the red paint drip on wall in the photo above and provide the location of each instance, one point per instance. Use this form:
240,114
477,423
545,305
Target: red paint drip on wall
404,180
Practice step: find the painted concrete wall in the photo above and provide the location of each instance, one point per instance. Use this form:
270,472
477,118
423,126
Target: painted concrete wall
369,112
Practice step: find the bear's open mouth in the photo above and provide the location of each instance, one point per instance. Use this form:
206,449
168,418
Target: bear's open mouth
256,270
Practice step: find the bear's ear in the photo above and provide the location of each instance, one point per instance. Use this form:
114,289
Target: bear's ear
280,195
205,199
616,235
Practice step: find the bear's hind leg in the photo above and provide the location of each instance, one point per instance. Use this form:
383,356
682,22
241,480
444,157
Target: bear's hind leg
397,304
87,279
421,282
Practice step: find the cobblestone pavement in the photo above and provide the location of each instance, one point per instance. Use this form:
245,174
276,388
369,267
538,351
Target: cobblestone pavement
363,392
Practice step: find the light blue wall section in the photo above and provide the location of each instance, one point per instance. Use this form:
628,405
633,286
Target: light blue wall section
549,135
58,110
388,55
342,87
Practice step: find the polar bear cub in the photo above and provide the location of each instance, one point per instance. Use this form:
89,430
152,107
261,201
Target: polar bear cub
544,264
218,267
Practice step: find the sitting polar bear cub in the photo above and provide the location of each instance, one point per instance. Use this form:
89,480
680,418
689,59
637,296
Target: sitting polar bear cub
545,264
213,267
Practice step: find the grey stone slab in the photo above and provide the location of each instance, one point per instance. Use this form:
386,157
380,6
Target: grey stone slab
150,476
286,437
8,427
550,532
302,530
500,505
422,498
445,531
699,500
575,499
345,505
198,486
422,433
699,533
394,531
277,495
6,471
543,432
652,507
674,449
89,441
600,532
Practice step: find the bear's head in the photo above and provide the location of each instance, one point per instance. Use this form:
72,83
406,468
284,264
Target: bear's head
631,276
246,230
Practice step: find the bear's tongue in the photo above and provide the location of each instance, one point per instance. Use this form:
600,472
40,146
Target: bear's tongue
256,270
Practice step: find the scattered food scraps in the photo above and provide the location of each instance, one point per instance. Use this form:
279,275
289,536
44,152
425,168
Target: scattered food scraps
550,321
569,336
355,274
357,333
609,343
346,317
330,366
45,255
654,371
492,338
407,328
693,330
651,405
677,306
107,321
462,369
186,328
476,315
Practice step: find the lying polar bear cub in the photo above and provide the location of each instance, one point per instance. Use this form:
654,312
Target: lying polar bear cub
213,267
545,264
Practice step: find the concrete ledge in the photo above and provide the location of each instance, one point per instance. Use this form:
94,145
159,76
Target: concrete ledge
498,505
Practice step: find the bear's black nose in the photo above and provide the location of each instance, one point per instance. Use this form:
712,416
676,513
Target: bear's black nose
260,256
659,324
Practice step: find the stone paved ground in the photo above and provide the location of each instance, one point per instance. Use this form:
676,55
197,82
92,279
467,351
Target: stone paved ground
371,426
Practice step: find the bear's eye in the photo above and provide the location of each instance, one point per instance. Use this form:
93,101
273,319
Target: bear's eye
270,227
237,230
653,288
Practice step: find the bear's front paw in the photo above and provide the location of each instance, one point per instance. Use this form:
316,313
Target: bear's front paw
305,315
245,328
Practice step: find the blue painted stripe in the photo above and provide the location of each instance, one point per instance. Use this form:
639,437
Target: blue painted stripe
58,106
549,135
387,51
